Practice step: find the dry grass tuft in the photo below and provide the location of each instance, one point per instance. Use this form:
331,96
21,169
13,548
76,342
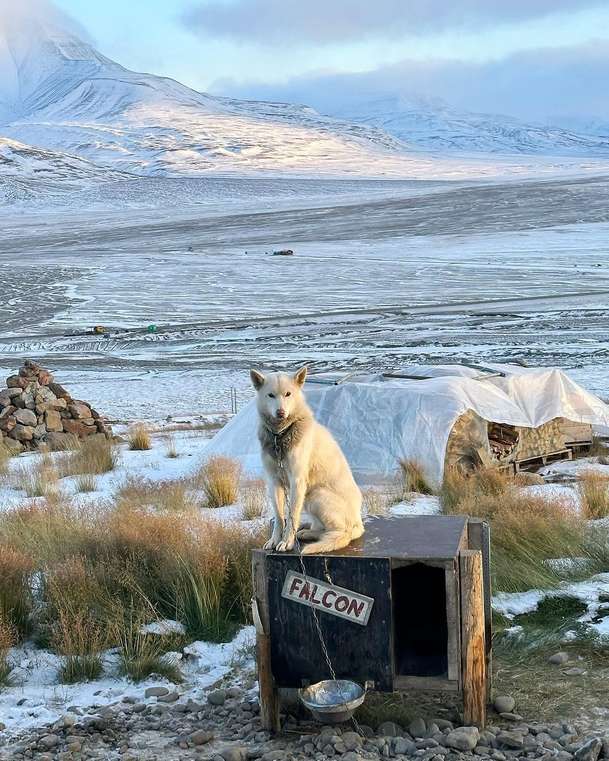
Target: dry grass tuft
593,489
7,640
39,479
375,502
526,531
458,486
142,654
85,483
253,498
139,438
94,456
413,478
219,478
16,569
5,456
138,493
171,451
97,573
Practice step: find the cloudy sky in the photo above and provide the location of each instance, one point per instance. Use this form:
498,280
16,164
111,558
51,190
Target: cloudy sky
533,59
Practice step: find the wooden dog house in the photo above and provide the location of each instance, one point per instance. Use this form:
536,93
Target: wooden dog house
405,607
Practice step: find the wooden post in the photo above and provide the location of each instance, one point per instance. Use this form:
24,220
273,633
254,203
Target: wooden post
269,695
473,655
479,536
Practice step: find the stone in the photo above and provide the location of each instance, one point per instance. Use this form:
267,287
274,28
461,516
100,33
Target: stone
390,729
77,428
171,697
352,740
52,420
40,431
559,658
16,381
7,425
417,727
49,741
508,716
22,432
60,392
236,753
510,740
504,703
575,671
590,751
201,737
217,697
402,746
8,410
156,692
26,417
14,447
463,738
79,410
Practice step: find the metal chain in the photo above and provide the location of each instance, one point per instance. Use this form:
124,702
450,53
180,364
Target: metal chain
314,612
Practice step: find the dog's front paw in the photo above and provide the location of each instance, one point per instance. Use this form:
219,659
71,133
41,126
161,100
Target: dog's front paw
286,545
270,545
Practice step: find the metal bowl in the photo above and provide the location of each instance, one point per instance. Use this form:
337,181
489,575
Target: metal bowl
333,700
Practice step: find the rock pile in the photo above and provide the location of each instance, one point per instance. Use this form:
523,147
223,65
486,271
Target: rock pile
224,725
35,410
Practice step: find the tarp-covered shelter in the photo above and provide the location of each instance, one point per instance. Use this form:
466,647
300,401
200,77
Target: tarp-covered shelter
437,415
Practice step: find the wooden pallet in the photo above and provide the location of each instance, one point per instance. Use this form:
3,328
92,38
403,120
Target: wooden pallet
577,445
544,459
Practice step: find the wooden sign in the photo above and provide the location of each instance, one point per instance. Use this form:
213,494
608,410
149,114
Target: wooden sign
329,598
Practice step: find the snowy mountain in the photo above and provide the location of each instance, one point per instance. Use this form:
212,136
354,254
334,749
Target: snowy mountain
431,124
58,92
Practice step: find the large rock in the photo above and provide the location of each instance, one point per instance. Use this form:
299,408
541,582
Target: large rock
79,410
7,423
77,428
463,738
53,421
16,381
14,447
26,417
22,432
6,411
60,391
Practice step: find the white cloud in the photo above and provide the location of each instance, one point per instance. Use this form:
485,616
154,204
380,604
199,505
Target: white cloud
556,84
288,22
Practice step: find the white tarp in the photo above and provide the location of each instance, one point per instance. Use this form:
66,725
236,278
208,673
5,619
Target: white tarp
378,420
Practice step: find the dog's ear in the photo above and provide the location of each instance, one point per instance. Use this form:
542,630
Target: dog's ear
257,378
300,375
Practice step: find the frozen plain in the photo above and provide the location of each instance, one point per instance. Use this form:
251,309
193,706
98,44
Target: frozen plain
385,272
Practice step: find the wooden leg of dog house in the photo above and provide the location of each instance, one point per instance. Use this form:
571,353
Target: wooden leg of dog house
473,647
479,539
269,695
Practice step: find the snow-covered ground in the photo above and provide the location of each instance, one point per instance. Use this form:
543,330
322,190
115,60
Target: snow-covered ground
38,698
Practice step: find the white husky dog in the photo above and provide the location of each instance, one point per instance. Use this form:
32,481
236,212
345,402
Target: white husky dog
305,464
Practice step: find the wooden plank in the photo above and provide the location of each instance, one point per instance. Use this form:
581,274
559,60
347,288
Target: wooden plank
480,539
269,695
452,619
427,683
360,653
473,655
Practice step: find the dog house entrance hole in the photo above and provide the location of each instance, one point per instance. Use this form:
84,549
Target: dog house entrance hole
420,633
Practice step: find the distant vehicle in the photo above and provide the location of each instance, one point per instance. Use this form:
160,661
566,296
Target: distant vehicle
284,252
99,330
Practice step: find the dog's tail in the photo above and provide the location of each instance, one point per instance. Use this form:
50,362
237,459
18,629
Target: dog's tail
328,541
